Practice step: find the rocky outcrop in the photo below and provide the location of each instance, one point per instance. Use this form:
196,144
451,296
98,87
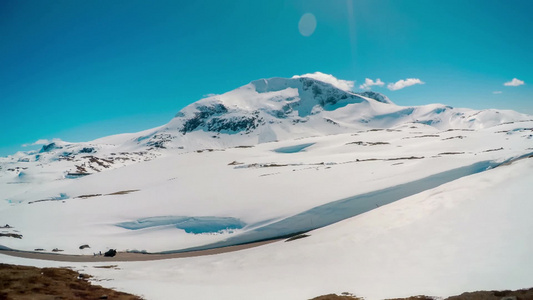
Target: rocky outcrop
376,96
201,116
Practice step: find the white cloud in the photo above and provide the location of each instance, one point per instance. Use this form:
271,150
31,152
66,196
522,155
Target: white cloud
42,142
369,82
514,82
209,95
497,92
345,85
400,84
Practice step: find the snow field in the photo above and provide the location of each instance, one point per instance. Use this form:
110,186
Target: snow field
470,234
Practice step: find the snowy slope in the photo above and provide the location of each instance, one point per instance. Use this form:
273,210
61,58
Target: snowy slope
255,186
459,237
471,234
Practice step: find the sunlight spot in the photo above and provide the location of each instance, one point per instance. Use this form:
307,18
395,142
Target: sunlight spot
307,24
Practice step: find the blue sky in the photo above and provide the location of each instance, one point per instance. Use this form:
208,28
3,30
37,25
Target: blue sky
79,70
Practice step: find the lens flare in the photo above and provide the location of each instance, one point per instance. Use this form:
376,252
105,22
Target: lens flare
307,24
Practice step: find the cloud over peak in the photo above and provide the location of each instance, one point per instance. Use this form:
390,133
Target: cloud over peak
400,84
43,142
369,83
345,85
514,82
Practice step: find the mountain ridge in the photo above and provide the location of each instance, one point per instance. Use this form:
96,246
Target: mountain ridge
261,111
274,109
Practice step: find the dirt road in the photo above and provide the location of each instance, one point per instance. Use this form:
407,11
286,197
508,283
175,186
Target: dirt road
125,256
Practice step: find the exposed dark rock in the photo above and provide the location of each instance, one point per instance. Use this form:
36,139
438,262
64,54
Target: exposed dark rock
89,196
50,147
13,235
76,175
361,143
455,137
200,117
496,149
297,237
235,124
410,157
87,150
331,121
160,140
376,96
324,93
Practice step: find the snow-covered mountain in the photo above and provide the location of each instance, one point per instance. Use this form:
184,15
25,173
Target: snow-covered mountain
264,110
280,108
276,109
277,157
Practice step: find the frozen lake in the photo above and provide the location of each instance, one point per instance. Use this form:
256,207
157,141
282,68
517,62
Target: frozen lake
195,225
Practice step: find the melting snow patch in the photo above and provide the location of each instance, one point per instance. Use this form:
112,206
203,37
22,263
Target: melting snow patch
195,225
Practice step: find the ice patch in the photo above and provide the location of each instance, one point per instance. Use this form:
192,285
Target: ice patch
293,149
62,196
195,225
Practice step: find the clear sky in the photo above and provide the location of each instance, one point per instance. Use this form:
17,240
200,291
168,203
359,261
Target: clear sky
79,70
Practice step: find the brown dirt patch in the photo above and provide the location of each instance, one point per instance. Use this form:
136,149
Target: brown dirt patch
343,296
24,283
421,297
524,294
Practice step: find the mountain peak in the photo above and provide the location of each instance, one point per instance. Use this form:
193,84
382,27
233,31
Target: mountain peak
264,101
376,96
317,103
345,85
301,93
